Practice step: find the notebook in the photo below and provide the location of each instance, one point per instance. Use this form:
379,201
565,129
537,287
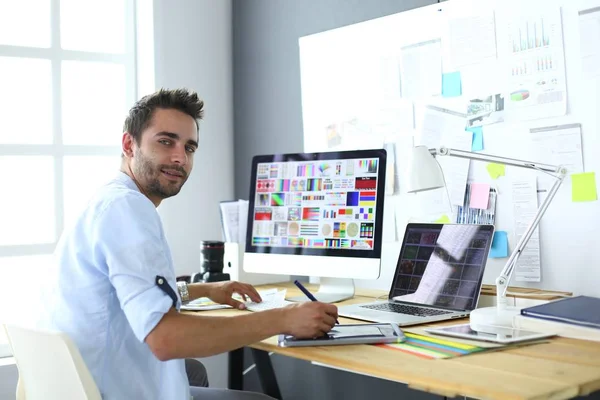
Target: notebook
579,310
438,275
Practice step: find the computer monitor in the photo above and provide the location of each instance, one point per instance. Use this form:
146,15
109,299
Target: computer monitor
317,214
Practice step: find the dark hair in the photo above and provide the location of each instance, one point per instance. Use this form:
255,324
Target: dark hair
141,113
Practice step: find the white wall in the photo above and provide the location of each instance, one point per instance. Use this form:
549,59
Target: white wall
568,230
193,49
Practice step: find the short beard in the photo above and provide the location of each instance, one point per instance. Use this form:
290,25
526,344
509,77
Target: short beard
148,175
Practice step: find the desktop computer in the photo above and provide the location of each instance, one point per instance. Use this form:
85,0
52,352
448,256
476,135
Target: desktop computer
319,215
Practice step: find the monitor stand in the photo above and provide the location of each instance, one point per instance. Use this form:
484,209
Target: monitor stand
331,290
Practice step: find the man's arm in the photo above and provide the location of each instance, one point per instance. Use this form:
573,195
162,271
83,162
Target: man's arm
198,290
190,336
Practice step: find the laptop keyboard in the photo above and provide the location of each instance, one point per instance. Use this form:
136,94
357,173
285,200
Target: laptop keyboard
404,309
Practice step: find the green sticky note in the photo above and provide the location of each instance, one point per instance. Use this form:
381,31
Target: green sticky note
584,187
443,220
451,84
496,170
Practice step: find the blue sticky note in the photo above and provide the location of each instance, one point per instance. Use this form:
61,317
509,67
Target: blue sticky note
499,245
477,143
451,84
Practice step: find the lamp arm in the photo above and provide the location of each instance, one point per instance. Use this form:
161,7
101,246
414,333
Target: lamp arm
558,172
446,151
509,268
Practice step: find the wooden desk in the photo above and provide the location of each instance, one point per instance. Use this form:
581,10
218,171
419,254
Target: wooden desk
561,369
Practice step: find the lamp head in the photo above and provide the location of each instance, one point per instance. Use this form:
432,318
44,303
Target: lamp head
424,173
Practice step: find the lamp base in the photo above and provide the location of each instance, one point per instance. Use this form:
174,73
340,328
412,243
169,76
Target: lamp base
493,316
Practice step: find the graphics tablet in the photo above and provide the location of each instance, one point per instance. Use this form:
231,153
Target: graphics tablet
495,334
349,334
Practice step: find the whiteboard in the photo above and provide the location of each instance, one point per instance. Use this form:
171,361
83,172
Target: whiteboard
354,95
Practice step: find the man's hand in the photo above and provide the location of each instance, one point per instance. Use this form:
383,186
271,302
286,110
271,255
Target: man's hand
221,292
310,319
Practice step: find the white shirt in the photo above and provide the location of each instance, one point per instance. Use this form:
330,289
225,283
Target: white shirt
104,296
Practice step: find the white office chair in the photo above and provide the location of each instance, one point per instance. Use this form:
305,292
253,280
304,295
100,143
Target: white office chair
50,366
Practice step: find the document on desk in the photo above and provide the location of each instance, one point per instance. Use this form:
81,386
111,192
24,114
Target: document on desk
420,330
431,347
203,304
206,304
525,207
271,298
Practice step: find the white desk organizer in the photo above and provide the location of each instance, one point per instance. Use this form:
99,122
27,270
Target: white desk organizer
234,254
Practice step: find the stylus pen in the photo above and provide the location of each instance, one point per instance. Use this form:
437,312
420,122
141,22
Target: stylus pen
308,294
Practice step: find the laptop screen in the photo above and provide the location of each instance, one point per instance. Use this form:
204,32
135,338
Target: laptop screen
442,265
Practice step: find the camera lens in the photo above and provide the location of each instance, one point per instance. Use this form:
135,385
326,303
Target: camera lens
211,256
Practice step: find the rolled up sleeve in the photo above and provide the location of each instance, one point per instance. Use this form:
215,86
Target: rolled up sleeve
129,237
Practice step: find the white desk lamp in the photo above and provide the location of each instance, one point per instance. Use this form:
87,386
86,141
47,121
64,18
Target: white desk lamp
425,173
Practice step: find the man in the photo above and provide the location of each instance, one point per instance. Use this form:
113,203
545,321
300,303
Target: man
115,292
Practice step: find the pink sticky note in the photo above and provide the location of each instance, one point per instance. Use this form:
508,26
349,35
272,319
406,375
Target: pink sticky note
480,195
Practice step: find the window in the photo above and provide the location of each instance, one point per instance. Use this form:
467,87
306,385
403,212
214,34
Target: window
67,77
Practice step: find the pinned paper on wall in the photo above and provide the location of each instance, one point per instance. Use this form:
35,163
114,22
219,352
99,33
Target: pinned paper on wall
390,178
451,84
480,195
421,69
525,208
389,222
477,143
499,245
496,170
584,187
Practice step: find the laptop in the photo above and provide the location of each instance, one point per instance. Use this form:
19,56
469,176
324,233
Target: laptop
438,275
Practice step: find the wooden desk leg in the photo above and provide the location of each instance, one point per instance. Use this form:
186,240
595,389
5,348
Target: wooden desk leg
266,374
236,369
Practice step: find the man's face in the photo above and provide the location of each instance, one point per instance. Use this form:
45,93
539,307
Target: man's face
164,158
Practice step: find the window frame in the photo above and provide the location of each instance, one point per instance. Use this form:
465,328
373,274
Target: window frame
58,150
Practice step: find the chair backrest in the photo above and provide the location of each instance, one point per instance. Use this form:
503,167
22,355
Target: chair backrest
50,366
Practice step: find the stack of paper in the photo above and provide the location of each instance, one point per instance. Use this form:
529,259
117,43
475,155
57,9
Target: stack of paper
203,304
432,347
271,298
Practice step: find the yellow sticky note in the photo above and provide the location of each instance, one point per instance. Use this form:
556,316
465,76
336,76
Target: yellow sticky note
496,170
584,187
443,220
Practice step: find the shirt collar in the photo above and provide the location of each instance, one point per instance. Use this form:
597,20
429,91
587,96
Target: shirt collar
127,181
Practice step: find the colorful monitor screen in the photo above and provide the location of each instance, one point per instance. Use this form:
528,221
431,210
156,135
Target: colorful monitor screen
317,204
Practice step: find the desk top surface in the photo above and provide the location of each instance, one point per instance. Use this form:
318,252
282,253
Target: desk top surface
559,369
